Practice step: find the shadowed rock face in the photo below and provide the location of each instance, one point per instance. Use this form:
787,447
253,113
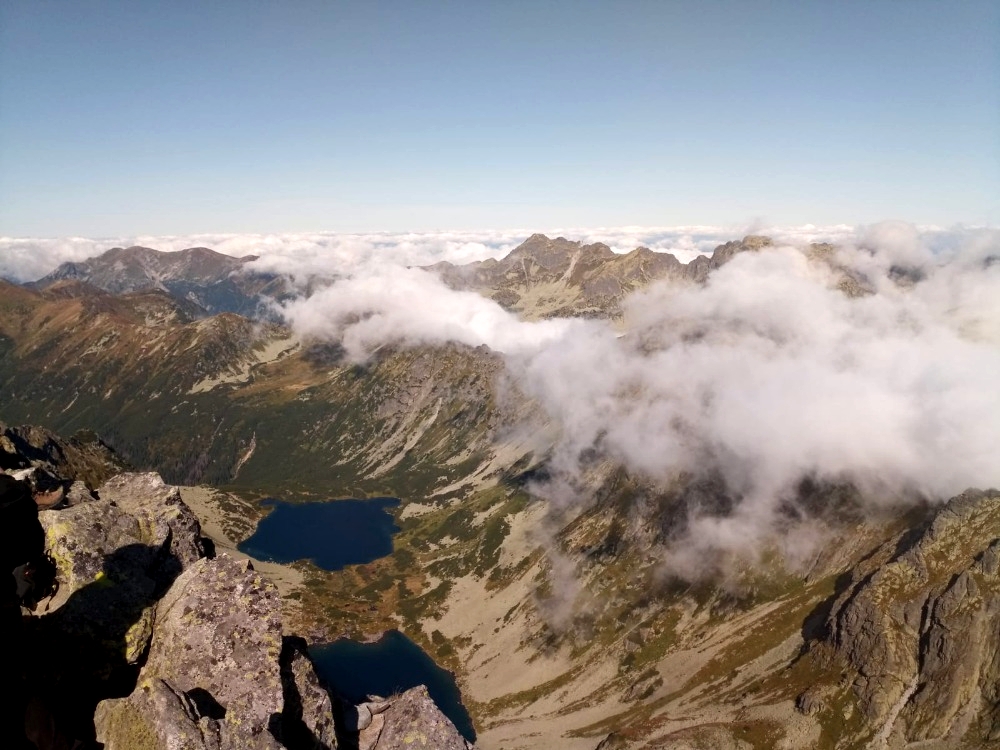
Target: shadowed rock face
82,458
114,557
919,623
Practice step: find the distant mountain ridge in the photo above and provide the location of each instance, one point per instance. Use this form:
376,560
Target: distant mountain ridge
540,278
544,277
213,281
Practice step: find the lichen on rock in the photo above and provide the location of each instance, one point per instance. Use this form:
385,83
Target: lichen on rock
217,646
413,721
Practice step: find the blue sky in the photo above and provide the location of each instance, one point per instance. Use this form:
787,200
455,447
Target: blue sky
139,117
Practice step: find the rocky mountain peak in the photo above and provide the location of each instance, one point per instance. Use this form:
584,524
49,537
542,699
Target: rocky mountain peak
550,254
750,243
212,281
544,277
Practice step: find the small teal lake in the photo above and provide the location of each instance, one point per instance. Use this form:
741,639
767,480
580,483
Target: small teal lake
333,534
392,664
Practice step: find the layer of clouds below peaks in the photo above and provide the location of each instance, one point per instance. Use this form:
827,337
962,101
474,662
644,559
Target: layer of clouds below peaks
326,253
767,374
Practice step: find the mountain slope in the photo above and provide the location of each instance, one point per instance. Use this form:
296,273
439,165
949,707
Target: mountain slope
226,399
212,281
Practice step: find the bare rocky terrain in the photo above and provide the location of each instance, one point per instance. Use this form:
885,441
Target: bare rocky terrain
149,641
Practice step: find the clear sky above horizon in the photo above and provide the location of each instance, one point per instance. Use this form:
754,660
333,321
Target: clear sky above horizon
181,117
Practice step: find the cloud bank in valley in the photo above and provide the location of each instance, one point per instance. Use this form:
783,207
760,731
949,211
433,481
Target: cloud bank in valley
412,306
767,374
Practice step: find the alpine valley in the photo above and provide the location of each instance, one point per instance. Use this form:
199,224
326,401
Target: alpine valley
563,573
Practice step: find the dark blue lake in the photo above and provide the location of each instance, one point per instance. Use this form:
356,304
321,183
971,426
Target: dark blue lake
392,664
333,534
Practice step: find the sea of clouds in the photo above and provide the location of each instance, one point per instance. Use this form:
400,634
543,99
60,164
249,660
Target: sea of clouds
766,374
300,254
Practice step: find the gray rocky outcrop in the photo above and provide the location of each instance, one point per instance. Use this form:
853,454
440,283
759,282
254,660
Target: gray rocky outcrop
136,591
113,559
163,517
214,676
195,644
216,670
409,720
920,624
138,536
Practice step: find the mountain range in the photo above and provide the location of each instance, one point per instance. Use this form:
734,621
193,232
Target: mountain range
560,623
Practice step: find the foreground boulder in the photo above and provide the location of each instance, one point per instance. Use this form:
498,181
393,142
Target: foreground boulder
135,510
114,558
136,593
409,720
214,677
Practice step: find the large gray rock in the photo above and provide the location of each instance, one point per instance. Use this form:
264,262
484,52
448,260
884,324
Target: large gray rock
113,559
162,515
214,676
920,624
134,590
412,720
108,581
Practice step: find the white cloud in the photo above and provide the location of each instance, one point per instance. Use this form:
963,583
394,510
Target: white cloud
765,375
412,306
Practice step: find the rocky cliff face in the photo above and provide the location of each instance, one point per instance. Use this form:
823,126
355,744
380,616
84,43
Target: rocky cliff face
920,623
216,674
52,464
